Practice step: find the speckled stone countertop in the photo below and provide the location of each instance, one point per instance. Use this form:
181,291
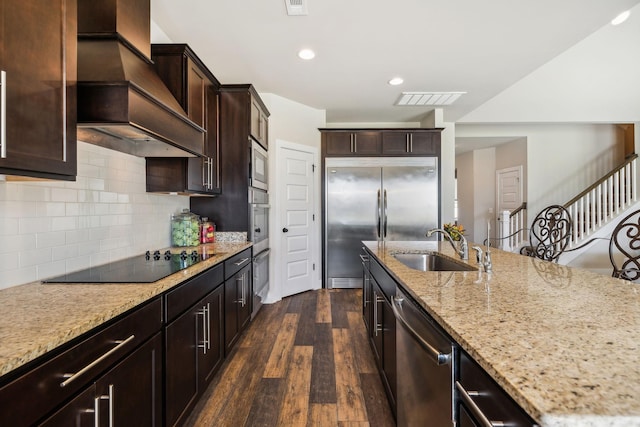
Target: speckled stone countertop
36,318
563,342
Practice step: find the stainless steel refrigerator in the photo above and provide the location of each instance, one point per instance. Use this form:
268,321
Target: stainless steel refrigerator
383,199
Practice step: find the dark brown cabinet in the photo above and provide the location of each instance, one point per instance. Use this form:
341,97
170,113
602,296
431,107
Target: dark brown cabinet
381,323
259,122
401,143
193,341
128,394
230,210
480,398
360,143
38,88
238,296
196,89
133,385
380,142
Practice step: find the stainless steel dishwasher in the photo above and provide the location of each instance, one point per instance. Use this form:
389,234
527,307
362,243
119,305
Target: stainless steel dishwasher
425,360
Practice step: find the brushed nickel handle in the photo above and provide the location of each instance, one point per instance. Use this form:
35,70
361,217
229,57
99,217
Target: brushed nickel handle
355,142
242,261
111,404
72,377
385,215
477,412
411,143
203,312
3,114
377,327
406,142
379,216
440,358
208,326
96,411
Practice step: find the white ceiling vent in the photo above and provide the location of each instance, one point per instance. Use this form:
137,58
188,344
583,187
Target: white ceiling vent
296,7
427,98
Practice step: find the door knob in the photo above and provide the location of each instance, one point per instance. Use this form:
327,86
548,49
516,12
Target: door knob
285,230
257,230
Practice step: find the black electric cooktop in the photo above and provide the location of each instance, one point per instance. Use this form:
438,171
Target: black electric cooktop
146,268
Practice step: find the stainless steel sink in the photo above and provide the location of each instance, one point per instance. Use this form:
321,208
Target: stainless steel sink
431,262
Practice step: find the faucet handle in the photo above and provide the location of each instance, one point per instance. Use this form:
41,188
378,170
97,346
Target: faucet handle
478,250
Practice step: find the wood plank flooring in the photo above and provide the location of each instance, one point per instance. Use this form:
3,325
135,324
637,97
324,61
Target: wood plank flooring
304,361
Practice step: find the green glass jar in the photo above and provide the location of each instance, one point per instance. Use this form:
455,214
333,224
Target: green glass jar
185,229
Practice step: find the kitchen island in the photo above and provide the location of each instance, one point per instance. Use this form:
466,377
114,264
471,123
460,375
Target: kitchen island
562,342
37,318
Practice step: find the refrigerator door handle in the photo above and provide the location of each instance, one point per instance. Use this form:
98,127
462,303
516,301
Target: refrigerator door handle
385,214
378,215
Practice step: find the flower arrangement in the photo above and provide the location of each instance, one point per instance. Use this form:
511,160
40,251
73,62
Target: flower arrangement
454,230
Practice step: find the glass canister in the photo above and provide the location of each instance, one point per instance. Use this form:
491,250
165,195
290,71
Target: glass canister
185,229
207,231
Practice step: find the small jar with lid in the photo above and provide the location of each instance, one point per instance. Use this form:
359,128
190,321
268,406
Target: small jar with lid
185,229
207,231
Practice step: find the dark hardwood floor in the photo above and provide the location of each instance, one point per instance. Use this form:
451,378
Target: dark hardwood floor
304,361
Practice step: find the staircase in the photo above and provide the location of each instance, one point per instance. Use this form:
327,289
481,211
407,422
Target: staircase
593,212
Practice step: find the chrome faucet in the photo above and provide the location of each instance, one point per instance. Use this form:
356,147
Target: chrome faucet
462,250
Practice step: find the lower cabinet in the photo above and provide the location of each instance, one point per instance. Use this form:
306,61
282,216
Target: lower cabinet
128,394
237,305
381,325
193,343
481,399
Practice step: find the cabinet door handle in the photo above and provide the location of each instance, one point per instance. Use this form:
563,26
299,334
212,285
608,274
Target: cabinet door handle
406,142
203,312
242,261
111,404
355,143
477,412
208,326
3,114
411,142
96,406
73,377
96,411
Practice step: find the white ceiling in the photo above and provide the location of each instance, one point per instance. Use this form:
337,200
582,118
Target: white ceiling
480,47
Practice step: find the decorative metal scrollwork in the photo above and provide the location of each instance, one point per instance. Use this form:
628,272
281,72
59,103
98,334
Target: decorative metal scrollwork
625,244
550,233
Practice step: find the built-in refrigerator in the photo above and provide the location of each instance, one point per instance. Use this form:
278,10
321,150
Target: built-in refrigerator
377,198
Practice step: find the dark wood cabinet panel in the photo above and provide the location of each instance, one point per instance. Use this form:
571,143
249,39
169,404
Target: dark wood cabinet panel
230,210
360,143
196,89
380,142
238,296
39,84
259,122
193,341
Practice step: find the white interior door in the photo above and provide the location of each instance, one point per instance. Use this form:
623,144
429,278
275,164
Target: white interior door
295,187
509,189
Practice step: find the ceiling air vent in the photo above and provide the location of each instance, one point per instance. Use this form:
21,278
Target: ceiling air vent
427,98
296,7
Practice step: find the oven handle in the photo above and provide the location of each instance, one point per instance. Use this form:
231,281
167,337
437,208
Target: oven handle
261,255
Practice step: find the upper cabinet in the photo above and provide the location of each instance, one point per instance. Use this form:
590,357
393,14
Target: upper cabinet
197,91
259,121
380,142
38,88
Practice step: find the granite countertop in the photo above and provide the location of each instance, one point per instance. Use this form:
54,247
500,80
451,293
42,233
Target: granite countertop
562,342
36,318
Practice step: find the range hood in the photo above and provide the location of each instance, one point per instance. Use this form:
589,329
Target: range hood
122,102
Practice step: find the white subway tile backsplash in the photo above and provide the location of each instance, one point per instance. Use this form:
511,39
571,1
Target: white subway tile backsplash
52,227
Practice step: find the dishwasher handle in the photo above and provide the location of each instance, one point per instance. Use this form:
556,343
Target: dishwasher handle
439,358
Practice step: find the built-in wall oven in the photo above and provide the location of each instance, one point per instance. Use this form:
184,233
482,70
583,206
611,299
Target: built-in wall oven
259,167
259,235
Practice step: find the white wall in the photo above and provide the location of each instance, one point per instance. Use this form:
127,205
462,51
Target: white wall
562,159
49,228
466,199
291,122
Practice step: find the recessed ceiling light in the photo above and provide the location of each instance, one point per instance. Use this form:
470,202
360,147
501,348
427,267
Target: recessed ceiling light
306,54
621,18
396,81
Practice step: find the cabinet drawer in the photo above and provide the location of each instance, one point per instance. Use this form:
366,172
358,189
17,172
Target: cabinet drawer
186,294
41,390
237,262
487,396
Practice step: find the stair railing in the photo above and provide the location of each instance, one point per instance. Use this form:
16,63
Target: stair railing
511,226
603,201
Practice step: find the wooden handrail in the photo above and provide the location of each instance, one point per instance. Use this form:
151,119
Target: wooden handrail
523,206
629,159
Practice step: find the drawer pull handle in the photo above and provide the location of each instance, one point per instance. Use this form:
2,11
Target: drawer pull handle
477,412
242,261
72,377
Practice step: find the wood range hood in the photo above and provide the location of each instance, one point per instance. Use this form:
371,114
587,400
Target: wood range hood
122,102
